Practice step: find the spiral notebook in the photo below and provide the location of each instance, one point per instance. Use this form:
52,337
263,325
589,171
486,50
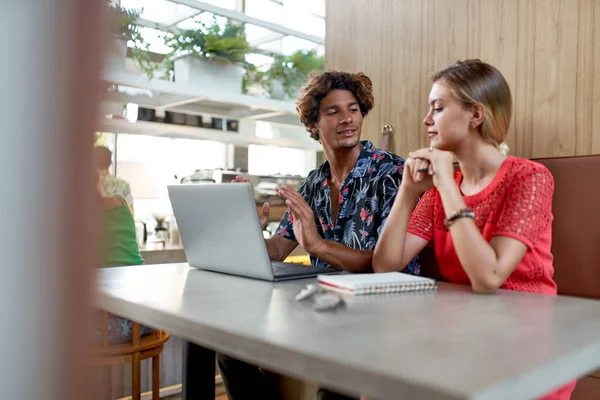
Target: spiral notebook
388,282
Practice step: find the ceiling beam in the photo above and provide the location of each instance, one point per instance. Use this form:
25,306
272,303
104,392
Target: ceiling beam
146,23
173,24
238,16
182,102
267,38
152,24
266,115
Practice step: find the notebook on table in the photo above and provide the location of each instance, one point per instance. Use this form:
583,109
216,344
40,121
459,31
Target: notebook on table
389,282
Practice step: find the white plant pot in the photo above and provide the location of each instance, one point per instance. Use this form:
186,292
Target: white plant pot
257,90
295,93
116,55
208,74
276,89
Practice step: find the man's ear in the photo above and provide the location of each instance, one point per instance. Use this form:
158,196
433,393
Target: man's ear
478,115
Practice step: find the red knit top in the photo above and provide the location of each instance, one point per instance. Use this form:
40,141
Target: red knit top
517,203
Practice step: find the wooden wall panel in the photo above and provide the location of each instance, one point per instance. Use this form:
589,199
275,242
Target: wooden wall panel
400,110
596,79
498,36
369,39
585,82
548,50
385,81
523,91
472,19
356,45
437,50
555,78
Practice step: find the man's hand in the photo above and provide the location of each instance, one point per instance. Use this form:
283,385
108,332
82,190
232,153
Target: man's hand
266,208
303,219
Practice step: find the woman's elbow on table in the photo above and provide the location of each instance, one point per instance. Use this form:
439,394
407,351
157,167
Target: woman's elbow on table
487,284
383,264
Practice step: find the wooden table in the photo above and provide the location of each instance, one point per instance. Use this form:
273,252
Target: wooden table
444,344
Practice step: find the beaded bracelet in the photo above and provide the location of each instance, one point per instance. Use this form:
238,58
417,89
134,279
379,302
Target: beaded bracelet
463,213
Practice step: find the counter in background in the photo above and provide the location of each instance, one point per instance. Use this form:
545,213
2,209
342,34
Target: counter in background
154,253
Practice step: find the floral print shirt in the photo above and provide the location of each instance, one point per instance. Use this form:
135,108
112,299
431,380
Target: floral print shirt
365,201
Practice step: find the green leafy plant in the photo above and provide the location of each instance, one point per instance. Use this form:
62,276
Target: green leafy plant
283,71
227,45
307,61
122,25
291,71
252,77
209,41
122,22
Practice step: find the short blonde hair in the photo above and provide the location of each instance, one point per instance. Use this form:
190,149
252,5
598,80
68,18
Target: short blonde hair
474,81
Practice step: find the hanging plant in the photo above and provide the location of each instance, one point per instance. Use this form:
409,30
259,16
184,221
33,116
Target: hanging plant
209,41
122,22
291,71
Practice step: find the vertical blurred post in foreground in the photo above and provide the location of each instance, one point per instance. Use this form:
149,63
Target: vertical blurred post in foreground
51,55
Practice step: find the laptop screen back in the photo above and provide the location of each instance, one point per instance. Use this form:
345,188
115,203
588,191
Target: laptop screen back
220,229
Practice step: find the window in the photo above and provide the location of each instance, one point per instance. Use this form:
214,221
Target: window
271,160
160,11
190,155
307,16
149,164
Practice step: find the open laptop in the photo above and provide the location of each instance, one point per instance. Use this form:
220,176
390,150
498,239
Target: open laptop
220,231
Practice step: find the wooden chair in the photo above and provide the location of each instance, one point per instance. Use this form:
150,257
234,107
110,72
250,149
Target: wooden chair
140,348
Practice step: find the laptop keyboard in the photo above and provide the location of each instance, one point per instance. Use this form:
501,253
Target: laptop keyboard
282,268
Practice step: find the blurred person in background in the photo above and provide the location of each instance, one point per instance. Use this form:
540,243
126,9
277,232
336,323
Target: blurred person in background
118,248
109,184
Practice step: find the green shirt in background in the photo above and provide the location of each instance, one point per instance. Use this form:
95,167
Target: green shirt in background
118,237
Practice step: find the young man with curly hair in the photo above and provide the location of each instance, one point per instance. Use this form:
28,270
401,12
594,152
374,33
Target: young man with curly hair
338,212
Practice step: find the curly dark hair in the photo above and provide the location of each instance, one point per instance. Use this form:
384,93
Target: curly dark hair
319,85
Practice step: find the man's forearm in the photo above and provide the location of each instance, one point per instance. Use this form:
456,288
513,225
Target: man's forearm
273,250
279,248
343,257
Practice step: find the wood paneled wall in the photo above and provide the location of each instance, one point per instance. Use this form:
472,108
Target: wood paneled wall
548,51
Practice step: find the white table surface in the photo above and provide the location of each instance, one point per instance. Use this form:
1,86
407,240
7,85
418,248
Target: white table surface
443,344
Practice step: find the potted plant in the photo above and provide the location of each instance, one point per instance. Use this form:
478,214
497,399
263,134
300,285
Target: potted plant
281,79
252,82
210,56
287,74
307,61
122,27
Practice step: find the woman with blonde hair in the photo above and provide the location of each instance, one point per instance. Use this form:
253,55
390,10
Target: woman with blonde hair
490,223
